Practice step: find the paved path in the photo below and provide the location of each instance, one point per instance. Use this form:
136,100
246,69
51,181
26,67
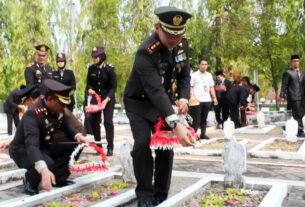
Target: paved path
292,171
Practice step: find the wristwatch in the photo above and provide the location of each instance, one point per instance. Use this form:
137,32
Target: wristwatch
172,121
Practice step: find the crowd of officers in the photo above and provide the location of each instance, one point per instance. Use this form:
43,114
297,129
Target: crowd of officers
160,78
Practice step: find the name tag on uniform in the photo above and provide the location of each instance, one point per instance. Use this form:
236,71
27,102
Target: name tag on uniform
180,58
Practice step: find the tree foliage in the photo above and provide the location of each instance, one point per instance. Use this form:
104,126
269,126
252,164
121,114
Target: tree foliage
239,34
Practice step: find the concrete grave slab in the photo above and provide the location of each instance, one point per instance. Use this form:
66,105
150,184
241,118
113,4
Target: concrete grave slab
257,152
80,182
201,143
274,197
253,129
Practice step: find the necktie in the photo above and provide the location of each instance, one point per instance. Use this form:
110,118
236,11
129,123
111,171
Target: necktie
298,73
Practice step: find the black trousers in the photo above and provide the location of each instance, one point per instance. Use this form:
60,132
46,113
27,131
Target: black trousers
221,111
145,167
94,120
234,114
298,110
200,114
57,157
10,118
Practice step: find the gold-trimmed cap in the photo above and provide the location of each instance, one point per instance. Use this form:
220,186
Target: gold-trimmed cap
172,19
61,91
42,49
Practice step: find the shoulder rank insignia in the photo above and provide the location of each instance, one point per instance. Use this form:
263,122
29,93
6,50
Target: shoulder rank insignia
29,65
41,110
153,47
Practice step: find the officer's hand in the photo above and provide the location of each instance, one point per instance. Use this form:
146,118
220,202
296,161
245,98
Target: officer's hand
183,135
104,103
4,145
215,102
86,139
282,100
91,92
182,107
47,179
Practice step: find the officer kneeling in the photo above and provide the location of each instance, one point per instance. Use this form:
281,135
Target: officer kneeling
32,147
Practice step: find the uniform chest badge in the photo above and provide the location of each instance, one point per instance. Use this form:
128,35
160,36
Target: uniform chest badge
180,58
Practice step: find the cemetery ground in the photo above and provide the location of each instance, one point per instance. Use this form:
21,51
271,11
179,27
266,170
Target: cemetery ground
190,171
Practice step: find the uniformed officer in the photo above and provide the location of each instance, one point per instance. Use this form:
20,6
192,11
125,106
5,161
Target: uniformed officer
12,105
65,76
32,146
101,79
39,70
236,99
160,76
28,96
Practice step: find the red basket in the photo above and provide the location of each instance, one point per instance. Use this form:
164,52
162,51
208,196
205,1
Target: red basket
95,108
166,139
88,166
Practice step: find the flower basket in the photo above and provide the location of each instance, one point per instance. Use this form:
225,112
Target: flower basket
84,166
166,139
92,108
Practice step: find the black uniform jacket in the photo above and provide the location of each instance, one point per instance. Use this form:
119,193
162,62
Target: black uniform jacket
292,86
67,78
11,103
36,73
221,94
149,86
102,80
35,131
238,95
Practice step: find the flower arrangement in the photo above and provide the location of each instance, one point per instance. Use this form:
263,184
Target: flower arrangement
231,197
88,165
166,139
82,199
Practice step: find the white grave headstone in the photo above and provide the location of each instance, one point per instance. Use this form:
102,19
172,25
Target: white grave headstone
291,128
126,161
260,119
228,128
234,157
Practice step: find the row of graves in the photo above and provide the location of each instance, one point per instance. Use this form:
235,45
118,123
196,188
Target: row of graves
105,182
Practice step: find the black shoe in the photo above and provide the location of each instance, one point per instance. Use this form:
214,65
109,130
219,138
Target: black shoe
204,137
62,183
109,152
301,134
218,126
158,201
145,204
28,188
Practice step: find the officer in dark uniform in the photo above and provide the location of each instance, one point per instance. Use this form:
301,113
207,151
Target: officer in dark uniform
11,108
160,76
237,99
101,79
65,76
222,86
39,70
293,90
32,147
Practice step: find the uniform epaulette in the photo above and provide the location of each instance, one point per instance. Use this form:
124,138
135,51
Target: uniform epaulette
153,47
29,65
40,110
111,65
